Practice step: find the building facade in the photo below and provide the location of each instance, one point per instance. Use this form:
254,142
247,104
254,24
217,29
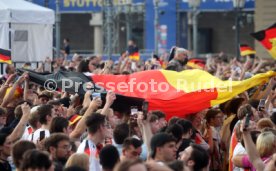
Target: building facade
135,19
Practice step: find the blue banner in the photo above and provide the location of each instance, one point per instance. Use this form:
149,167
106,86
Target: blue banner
218,5
167,25
79,5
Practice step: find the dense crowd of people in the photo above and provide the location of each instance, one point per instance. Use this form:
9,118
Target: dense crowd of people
42,130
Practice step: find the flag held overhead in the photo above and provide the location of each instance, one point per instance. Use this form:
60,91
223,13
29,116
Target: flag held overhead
246,50
267,38
178,93
5,56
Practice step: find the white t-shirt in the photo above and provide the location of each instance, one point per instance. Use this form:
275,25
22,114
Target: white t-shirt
34,137
94,162
239,149
28,131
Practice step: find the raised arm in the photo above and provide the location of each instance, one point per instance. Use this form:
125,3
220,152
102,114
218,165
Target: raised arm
5,86
9,97
265,93
144,125
80,128
19,129
250,147
110,97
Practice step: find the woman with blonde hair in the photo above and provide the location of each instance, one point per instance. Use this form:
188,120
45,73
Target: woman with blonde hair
265,146
78,159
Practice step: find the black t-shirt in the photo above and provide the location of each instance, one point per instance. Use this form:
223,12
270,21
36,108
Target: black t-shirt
67,49
185,143
132,49
5,165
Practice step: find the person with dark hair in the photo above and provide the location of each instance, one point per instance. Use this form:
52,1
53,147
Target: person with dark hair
83,66
163,148
214,120
120,133
132,47
173,120
5,152
59,124
195,158
44,97
154,124
18,151
161,117
45,116
88,65
66,48
98,129
132,149
109,157
35,159
58,145
187,134
176,131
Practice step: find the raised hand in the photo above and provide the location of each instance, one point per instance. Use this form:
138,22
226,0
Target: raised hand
110,97
26,109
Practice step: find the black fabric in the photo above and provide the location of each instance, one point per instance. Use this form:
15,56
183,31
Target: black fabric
121,104
58,166
184,144
41,78
132,49
67,49
233,123
5,165
6,53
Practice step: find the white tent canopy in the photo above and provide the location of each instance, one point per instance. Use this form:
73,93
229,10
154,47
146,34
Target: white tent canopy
30,27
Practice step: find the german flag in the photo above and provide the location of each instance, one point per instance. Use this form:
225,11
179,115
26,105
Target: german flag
17,93
196,64
178,93
246,50
175,93
135,56
5,56
74,119
267,38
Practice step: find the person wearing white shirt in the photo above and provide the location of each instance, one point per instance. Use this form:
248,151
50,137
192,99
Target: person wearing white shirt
45,116
98,130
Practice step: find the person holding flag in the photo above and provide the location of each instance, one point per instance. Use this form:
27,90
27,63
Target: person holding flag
133,51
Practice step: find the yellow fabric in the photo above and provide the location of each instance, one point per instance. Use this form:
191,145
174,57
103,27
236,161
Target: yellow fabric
272,51
194,66
17,92
234,88
7,62
135,56
248,52
195,80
